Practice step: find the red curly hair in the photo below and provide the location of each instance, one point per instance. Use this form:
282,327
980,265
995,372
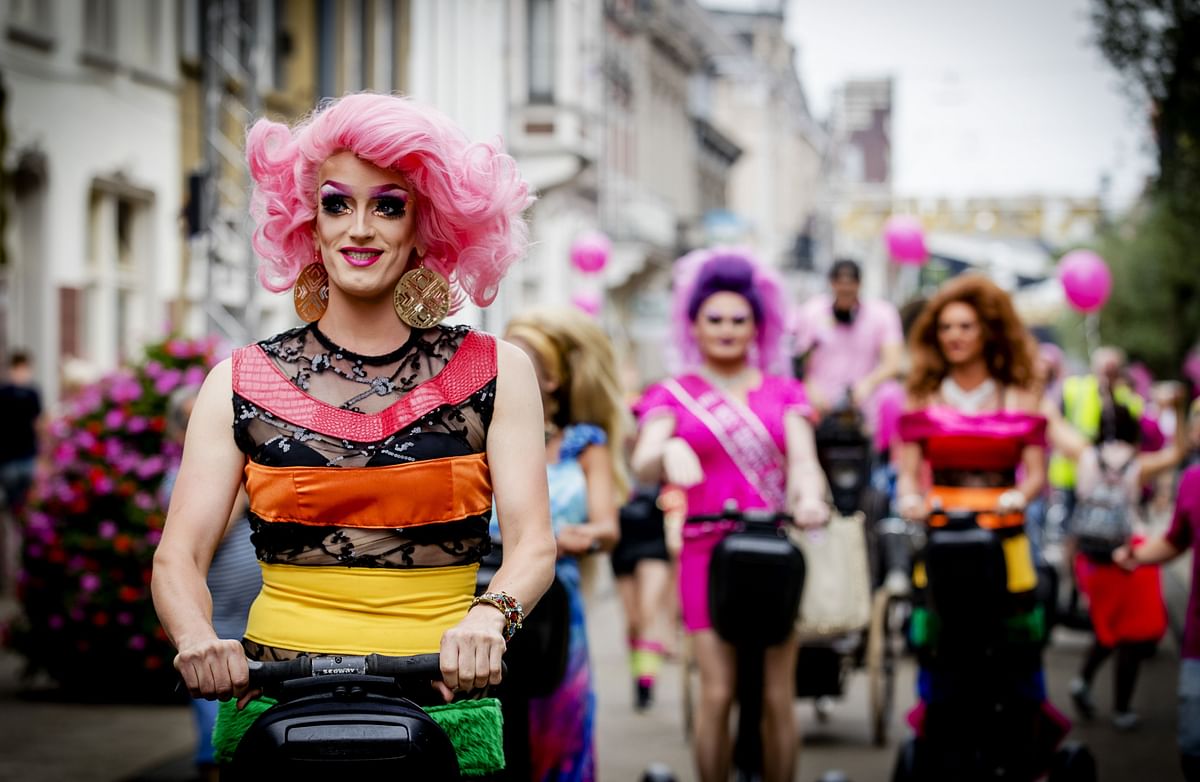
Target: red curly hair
1007,345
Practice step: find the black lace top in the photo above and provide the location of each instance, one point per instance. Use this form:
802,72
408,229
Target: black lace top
301,401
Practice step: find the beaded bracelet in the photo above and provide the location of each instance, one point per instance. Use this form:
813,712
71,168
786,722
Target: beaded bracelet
506,604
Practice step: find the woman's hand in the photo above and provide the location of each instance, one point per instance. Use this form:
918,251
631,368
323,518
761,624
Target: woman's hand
214,669
1011,501
912,507
1122,557
680,464
810,512
576,540
471,651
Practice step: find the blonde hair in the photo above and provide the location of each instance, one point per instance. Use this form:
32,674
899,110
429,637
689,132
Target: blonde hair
577,355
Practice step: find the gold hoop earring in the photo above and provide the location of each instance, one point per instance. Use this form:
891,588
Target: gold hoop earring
422,298
311,292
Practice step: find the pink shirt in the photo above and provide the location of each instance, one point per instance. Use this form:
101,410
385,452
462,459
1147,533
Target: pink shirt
1185,534
842,354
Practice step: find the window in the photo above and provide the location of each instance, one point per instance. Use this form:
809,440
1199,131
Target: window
31,22
541,51
383,47
191,22
145,44
118,263
100,30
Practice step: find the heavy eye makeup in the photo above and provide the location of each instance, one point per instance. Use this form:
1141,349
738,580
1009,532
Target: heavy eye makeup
388,201
736,320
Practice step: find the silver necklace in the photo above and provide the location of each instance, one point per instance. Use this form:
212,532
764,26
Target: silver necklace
967,401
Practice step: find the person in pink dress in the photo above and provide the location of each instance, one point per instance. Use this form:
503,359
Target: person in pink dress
731,427
974,440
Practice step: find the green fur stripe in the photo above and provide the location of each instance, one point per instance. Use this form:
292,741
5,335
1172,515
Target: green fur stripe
475,728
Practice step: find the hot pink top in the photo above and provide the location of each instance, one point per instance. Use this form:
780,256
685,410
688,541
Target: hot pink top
960,441
723,481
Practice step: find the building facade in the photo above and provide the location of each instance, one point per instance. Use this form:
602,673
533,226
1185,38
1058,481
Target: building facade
92,154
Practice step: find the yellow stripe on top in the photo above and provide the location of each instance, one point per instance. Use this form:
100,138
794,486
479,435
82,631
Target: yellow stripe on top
340,610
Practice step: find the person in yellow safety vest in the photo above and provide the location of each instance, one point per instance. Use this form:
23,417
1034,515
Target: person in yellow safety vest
1081,407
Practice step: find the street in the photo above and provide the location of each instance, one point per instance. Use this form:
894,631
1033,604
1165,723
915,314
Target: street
45,738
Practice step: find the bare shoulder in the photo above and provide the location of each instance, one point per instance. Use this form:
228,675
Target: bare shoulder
511,360
1026,400
916,401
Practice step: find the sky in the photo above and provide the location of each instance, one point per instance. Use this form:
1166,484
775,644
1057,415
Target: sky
990,97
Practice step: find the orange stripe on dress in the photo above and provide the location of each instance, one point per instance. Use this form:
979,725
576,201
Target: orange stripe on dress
396,496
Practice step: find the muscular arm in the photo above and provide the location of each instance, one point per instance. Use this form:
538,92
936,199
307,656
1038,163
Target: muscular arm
648,452
805,480
602,525
516,457
1065,438
203,498
908,471
891,355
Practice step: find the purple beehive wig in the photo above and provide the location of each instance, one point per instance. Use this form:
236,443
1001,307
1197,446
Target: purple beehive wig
701,273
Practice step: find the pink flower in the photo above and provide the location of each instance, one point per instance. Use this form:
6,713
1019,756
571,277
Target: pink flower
113,448
144,501
103,486
136,425
89,582
149,467
125,618
56,622
137,642
114,418
194,376
125,388
65,452
168,381
108,529
153,536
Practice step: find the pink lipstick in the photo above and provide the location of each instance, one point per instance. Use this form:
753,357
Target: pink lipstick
360,256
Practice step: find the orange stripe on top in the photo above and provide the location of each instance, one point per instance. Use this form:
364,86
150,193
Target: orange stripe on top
982,499
402,495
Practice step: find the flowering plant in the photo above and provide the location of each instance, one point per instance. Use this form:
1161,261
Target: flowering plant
93,521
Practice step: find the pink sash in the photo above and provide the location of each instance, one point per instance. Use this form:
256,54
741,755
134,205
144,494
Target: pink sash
743,436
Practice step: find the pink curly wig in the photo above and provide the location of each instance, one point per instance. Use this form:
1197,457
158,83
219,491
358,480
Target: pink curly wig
768,352
469,197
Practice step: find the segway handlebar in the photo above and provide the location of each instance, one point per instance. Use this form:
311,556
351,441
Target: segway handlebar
427,666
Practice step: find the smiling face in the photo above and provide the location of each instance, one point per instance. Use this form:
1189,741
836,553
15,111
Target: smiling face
960,334
365,227
724,327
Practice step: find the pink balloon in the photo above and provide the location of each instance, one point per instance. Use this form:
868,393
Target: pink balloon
905,240
589,251
588,301
1085,279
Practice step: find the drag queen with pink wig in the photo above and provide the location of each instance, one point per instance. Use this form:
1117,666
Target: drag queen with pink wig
731,426
373,441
